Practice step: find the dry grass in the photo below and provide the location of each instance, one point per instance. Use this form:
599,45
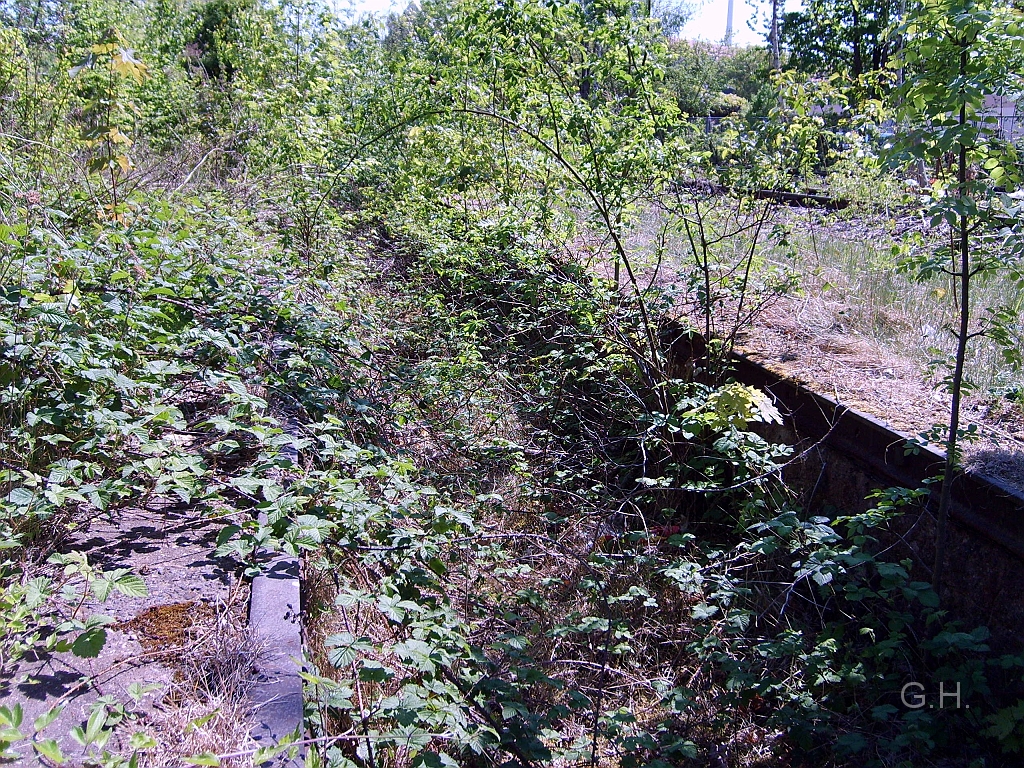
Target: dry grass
854,265
219,724
208,708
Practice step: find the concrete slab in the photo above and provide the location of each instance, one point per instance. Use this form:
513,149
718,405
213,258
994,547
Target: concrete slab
274,621
172,550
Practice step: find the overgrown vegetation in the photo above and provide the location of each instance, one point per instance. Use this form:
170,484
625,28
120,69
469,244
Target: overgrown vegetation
534,531
712,80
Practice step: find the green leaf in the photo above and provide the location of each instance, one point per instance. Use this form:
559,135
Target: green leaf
374,672
49,749
434,760
131,585
206,758
102,587
95,723
11,716
140,740
89,644
21,497
265,754
925,594
703,611
138,690
313,759
47,717
199,722
345,648
163,367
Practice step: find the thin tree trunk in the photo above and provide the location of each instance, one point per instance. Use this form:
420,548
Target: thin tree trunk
858,44
963,334
900,45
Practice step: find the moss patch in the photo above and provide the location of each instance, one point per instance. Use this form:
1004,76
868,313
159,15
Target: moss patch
166,626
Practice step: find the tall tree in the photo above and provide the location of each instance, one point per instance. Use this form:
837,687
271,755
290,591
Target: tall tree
852,36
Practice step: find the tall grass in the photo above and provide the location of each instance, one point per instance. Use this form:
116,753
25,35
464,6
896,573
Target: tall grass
861,274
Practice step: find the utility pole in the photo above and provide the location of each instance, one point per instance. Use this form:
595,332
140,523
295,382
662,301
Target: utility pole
776,57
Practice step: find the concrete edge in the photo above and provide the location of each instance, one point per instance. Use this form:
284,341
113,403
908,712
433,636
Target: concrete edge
275,621
982,503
